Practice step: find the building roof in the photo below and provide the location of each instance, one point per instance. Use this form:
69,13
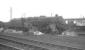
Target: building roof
76,19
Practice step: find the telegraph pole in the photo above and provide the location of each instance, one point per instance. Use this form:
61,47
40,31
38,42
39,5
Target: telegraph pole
23,19
10,13
51,14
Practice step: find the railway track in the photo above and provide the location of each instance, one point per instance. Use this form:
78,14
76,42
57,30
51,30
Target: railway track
18,45
24,44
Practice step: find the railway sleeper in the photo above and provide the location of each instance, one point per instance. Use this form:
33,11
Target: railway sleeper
39,44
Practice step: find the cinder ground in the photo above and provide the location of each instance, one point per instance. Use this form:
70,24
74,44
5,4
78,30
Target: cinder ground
2,47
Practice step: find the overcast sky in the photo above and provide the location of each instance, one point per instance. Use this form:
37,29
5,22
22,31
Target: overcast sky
65,8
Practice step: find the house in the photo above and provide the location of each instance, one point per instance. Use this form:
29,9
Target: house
77,21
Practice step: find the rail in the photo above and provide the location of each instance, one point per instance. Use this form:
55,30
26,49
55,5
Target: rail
42,42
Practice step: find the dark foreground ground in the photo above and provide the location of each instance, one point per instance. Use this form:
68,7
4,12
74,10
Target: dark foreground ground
2,47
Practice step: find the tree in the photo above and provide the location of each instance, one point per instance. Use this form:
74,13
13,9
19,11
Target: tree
43,24
46,24
1,24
